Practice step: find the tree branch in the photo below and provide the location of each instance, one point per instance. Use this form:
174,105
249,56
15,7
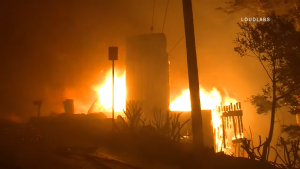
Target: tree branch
264,68
287,93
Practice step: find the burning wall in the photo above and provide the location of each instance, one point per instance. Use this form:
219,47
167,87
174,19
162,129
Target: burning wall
147,71
147,81
222,128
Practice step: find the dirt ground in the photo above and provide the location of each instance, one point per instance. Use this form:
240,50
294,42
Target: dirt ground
81,145
32,146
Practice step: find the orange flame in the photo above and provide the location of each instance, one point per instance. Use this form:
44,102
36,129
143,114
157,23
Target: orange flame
105,94
209,100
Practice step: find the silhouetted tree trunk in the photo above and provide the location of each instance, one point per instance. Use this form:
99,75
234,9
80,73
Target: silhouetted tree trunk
267,144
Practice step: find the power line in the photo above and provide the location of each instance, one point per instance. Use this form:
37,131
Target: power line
176,44
165,16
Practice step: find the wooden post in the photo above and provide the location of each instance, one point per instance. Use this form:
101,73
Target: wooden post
234,126
240,125
237,106
193,78
214,137
224,132
235,147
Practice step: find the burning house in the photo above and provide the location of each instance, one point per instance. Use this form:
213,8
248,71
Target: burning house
147,71
146,79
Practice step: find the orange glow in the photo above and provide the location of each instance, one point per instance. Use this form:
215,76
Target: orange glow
105,94
209,101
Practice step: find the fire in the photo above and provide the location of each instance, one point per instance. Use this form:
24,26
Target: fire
209,101
105,94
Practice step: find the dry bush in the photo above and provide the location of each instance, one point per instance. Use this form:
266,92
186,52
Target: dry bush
133,117
253,152
290,159
168,125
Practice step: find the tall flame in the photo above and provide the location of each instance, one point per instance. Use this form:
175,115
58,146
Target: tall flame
209,100
105,93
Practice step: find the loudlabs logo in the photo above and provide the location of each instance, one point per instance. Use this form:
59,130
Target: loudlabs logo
255,19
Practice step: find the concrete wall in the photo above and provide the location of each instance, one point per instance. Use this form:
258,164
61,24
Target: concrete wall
147,72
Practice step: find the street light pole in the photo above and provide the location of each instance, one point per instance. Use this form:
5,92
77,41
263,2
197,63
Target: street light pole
113,55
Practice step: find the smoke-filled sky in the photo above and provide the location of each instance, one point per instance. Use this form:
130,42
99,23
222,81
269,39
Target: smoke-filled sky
50,45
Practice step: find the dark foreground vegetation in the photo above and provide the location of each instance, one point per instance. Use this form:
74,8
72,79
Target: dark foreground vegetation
86,141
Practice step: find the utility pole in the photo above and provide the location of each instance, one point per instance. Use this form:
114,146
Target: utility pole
113,55
196,116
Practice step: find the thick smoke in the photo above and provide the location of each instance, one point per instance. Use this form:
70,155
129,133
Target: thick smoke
49,48
56,49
